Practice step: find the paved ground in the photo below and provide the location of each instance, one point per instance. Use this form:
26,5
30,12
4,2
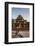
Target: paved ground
20,34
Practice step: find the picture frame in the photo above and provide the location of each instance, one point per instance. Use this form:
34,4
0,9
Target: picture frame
10,9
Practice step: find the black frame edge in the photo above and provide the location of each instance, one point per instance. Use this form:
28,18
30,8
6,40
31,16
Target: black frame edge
33,22
6,23
20,3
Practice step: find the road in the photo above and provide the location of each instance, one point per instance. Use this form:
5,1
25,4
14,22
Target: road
20,34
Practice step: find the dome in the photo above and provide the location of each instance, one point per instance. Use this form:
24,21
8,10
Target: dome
20,17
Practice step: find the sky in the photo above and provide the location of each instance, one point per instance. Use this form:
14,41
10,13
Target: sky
20,11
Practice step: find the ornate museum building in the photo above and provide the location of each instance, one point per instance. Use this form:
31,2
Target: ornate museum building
19,24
